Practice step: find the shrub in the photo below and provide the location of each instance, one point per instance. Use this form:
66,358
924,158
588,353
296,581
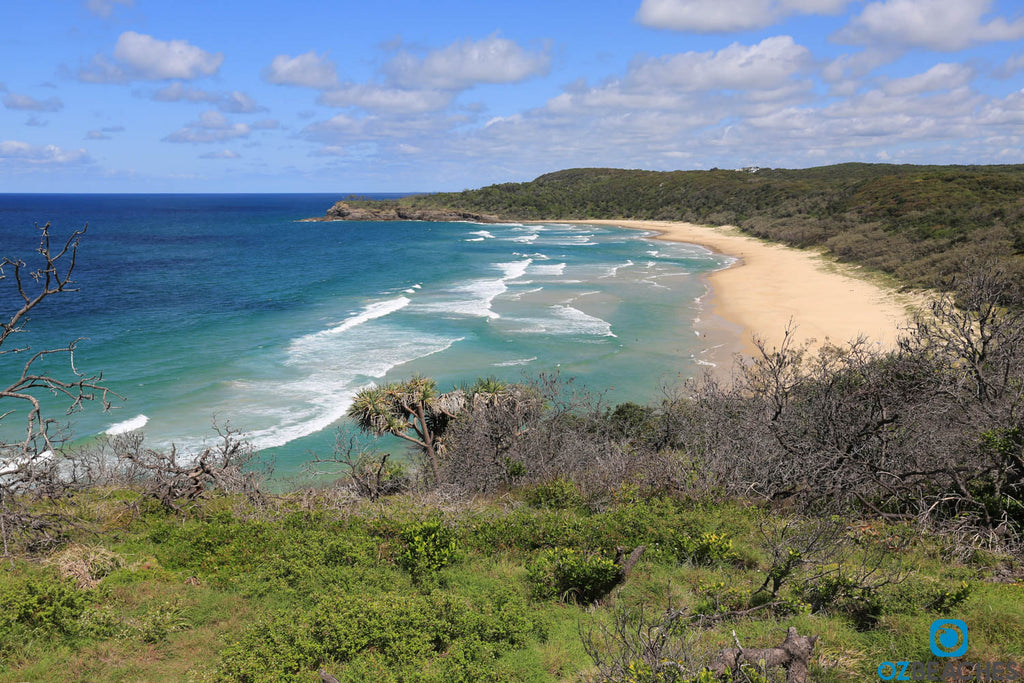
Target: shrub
275,649
428,547
837,591
708,548
43,604
569,575
557,494
436,637
718,597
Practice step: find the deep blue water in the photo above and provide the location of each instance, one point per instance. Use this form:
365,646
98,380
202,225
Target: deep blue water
198,307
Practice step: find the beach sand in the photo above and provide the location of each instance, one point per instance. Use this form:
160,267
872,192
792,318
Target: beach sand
772,286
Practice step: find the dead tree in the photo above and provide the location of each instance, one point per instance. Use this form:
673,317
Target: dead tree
366,472
793,654
175,478
32,466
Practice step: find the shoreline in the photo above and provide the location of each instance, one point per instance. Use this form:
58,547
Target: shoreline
772,285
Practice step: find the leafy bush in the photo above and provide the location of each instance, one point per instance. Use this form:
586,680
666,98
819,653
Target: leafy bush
918,594
275,649
717,597
436,637
557,494
836,591
428,547
570,575
705,549
43,604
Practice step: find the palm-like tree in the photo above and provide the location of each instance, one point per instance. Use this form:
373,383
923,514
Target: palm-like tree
412,410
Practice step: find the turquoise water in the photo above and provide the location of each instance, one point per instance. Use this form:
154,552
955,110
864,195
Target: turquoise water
203,307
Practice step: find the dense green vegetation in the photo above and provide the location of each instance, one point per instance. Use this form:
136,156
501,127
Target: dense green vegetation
918,223
322,582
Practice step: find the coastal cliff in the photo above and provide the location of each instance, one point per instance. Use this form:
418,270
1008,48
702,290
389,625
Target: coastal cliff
343,211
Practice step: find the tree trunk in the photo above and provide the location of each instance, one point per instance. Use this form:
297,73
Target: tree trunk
428,442
794,654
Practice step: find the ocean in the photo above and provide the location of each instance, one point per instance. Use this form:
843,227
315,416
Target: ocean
226,307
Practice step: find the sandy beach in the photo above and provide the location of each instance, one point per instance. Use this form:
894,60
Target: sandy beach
771,285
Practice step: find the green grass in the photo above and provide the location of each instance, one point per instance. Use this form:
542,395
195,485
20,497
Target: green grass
236,594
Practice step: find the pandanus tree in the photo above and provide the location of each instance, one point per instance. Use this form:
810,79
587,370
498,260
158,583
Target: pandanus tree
412,410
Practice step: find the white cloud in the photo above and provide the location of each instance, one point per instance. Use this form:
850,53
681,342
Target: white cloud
466,63
721,16
329,151
940,77
104,8
96,135
1010,67
1008,111
309,70
382,98
223,154
853,67
345,130
23,152
212,126
768,64
233,102
944,25
703,86
27,103
141,57
236,102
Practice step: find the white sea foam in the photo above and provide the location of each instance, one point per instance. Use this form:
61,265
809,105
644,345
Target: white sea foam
370,312
517,361
525,239
482,233
552,269
137,422
11,465
581,323
474,298
573,241
515,269
613,270
473,239
417,286
331,370
518,295
566,320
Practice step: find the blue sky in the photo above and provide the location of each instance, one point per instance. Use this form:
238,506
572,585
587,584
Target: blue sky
405,95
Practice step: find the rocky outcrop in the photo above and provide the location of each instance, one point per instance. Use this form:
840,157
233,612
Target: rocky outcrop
342,211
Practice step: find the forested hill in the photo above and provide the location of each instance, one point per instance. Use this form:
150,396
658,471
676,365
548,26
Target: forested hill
915,222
